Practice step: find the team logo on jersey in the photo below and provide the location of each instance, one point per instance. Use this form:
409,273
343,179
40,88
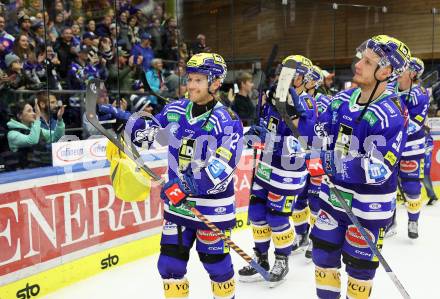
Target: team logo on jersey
408,166
272,126
355,238
186,152
396,102
344,139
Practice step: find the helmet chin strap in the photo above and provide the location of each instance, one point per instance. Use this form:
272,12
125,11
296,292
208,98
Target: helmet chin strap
371,95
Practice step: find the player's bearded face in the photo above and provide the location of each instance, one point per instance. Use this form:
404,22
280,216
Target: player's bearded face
197,87
365,69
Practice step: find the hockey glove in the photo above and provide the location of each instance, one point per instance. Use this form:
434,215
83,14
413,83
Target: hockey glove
255,136
178,189
293,105
321,164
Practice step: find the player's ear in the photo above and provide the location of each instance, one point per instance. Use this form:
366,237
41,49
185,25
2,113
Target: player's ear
216,84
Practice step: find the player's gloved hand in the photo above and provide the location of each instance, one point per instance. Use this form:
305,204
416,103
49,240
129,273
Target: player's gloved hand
178,189
255,136
293,105
320,163
270,94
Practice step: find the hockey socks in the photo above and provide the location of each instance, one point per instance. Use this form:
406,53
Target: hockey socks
262,235
223,290
359,289
328,283
283,240
413,206
176,288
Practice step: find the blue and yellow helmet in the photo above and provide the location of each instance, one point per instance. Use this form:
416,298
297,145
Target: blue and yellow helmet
209,64
391,51
303,65
417,65
315,74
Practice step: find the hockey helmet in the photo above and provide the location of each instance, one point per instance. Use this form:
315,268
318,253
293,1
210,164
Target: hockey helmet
303,64
209,64
390,50
316,75
417,65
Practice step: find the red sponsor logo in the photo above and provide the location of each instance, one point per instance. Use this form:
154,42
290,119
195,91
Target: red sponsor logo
207,237
174,193
274,197
354,237
317,180
408,166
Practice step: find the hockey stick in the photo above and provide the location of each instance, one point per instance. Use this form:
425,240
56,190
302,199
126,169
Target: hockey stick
281,101
93,89
270,61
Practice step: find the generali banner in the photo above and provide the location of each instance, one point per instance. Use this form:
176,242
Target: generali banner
43,225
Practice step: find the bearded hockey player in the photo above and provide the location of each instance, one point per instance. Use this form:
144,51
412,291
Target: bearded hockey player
205,145
366,132
277,183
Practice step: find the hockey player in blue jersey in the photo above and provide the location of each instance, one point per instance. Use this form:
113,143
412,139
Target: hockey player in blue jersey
306,208
366,132
411,173
205,145
277,183
311,191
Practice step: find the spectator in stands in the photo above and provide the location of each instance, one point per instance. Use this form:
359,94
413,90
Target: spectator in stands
77,9
34,7
58,24
22,48
200,46
52,63
103,28
128,71
27,137
59,9
144,49
65,50
157,33
49,110
16,78
133,31
90,39
24,23
3,33
37,34
91,26
81,70
155,79
76,35
123,30
105,49
242,103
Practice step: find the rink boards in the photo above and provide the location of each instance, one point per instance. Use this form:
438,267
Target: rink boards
58,226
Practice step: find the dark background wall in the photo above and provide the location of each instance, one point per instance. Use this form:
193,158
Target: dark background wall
246,30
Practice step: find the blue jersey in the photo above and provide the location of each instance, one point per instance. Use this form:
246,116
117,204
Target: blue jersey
370,150
417,103
280,171
213,141
322,101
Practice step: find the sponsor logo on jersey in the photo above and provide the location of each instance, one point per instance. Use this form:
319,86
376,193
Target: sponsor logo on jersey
220,210
419,118
348,197
355,239
344,139
224,153
309,103
325,221
264,172
375,206
287,180
186,152
391,158
272,126
274,197
370,117
408,166
173,117
377,172
216,168
207,237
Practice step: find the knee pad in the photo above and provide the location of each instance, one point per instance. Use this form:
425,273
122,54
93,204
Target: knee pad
257,209
218,266
411,187
300,217
364,266
176,288
172,265
359,289
223,290
276,219
325,254
328,282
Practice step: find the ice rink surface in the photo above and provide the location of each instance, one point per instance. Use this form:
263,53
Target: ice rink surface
414,262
